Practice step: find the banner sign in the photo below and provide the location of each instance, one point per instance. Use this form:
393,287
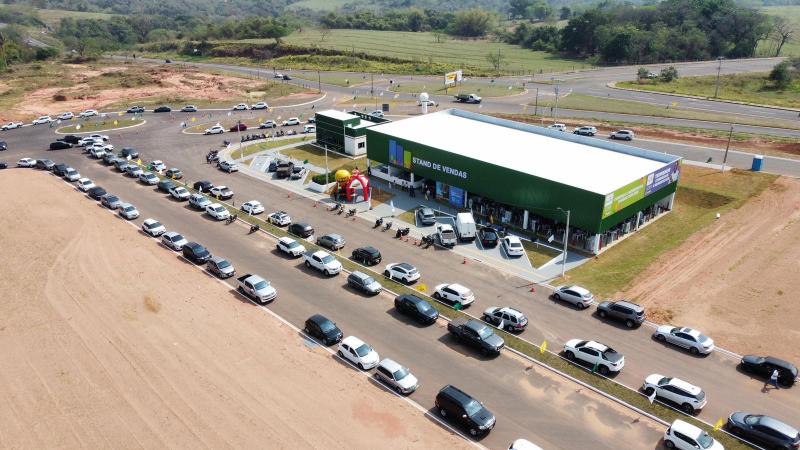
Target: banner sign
452,78
639,189
662,177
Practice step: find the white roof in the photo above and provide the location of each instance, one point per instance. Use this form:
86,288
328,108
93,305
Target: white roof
507,144
336,114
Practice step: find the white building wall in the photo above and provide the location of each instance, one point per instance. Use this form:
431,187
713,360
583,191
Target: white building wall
351,145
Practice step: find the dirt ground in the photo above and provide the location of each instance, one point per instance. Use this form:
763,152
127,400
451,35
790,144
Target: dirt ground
737,279
110,342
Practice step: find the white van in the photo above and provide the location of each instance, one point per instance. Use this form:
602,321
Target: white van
465,227
309,128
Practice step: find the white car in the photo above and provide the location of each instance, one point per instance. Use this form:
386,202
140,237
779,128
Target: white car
88,113
260,105
199,201
174,240
396,376
253,207
240,107
377,113
149,178
513,246
309,128
217,211
689,397
268,124
454,294
189,108
324,262
693,340
446,234
102,137
180,193
291,121
216,129
71,174
357,352
585,130
558,127
133,170
153,227
523,444
220,192
578,296
128,211
89,141
685,436
42,120
402,271
85,184
280,218
66,116
506,318
97,152
428,102
228,166
158,165
290,246
26,162
625,135
11,126
605,358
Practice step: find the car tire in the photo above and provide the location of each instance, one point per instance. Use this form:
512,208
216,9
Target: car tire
602,314
570,356
687,408
308,264
661,338
603,370
360,366
484,352
326,272
437,296
399,390
556,297
473,432
694,351
649,391
387,274
629,323
669,444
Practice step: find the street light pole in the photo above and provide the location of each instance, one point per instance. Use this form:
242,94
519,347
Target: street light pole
319,83
555,111
327,171
566,239
719,69
727,147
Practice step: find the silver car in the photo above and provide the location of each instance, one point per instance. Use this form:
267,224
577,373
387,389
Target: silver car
576,295
396,376
110,201
149,178
199,201
128,211
174,240
692,340
220,267
332,242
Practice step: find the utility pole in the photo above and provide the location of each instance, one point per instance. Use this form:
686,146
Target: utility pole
727,147
327,171
319,82
536,105
566,239
719,69
555,110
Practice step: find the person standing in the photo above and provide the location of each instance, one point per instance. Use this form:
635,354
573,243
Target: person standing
773,379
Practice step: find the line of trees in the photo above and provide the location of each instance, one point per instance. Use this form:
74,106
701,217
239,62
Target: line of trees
465,23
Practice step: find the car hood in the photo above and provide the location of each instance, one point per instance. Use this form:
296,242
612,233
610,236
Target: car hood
664,329
335,333
483,417
227,270
269,290
495,341
653,379
408,382
373,287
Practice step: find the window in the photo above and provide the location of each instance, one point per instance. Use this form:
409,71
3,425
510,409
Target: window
589,351
362,144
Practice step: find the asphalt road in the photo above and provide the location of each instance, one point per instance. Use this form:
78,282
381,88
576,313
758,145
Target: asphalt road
727,389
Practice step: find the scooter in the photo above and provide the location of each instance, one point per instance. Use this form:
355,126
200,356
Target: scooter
231,219
378,222
428,240
340,209
404,231
351,212
254,228
388,226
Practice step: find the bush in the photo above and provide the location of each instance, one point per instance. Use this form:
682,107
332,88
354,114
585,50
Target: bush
59,98
320,179
780,75
669,74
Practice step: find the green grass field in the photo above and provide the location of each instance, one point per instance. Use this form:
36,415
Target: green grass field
792,14
751,88
539,254
702,193
250,149
316,157
53,16
100,125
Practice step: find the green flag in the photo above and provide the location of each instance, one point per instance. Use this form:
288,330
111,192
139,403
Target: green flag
596,365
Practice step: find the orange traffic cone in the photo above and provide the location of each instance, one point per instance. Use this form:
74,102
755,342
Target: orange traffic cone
464,261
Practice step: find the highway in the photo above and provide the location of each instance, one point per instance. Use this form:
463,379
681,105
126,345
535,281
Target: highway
727,389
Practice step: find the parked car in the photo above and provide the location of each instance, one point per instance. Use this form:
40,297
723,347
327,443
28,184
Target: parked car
297,172
3,165
558,127
468,98
88,113
128,153
693,340
135,110
396,376
403,272
625,135
60,169
173,240
322,328
256,288
98,136
221,192
578,296
217,211
72,175
309,128
523,444
488,237
196,253
41,120
220,267
415,307
290,246
96,193
128,211
238,127
165,185
162,109
240,107
291,121
368,256
765,431
158,165
26,162
84,184
189,108
252,207
461,408
202,186
446,234
153,227
426,216
358,352
267,124
45,164
301,229
595,354
512,245
685,436
133,170
199,201
98,153
476,334
332,242
174,173
453,294
260,105
110,201
60,145
279,218
364,283
688,397
216,129
71,138
286,77
11,126
763,366
273,166
585,131
323,262
149,178
506,318
284,169
179,193
629,313
228,166
428,102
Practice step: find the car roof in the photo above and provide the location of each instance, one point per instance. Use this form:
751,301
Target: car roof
319,318
780,363
126,205
368,249
150,220
457,287
686,428
456,393
690,331
692,389
404,266
390,365
412,298
333,236
596,345
320,253
217,259
633,306
512,238
445,227
358,274
286,239
353,341
510,310
778,426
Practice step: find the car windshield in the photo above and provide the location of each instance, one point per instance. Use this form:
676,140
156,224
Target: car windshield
423,307
292,244
261,285
369,280
472,407
218,209
223,264
400,373
484,332
327,326
130,208
705,440
363,350
328,259
154,225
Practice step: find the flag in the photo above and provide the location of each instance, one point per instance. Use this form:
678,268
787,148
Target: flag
652,397
543,347
422,288
116,123
194,119
596,366
550,238
138,162
718,424
78,126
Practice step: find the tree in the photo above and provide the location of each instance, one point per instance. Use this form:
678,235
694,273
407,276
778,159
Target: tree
539,11
564,13
438,36
495,59
471,23
669,74
324,32
781,75
782,33
415,19
519,8
642,73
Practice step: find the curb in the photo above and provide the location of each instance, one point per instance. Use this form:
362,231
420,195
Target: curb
57,131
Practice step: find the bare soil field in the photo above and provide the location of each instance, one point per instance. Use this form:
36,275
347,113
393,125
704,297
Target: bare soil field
736,279
107,343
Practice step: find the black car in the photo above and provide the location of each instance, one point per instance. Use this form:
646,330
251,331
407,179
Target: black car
96,192
202,186
488,237
273,166
135,110
3,146
60,145
128,152
301,229
368,256
419,309
460,407
324,329
175,174
196,253
287,77
765,365
165,185
71,138
60,169
631,314
3,165
764,431
162,109
45,164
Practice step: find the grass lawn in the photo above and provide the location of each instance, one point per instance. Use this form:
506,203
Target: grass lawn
337,79
316,157
407,217
751,88
53,16
702,193
100,125
792,15
498,89
249,150
538,254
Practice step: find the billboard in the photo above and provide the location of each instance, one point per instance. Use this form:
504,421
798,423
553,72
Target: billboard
641,188
452,78
662,177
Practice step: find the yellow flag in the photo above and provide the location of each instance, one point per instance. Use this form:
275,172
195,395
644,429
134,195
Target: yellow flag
120,113
116,123
718,425
543,347
194,119
138,162
422,288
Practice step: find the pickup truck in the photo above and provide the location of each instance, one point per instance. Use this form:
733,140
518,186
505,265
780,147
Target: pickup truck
447,236
323,262
468,98
256,288
476,334
284,169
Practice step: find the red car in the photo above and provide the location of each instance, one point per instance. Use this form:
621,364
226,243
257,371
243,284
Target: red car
239,127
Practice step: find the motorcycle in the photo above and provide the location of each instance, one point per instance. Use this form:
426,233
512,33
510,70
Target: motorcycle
404,231
231,219
351,212
378,222
254,228
388,226
428,240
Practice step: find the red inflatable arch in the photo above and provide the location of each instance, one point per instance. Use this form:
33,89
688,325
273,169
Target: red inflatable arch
356,180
